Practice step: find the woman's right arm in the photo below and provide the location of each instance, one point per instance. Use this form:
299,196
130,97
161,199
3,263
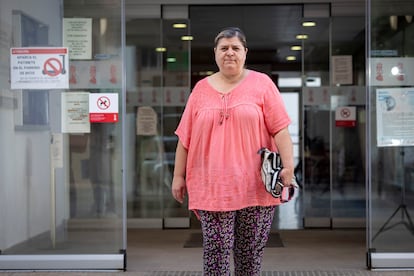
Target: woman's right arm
178,188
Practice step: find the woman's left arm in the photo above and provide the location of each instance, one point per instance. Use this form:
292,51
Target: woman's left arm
284,146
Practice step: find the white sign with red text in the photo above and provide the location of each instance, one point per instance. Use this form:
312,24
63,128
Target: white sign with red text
103,108
39,68
345,116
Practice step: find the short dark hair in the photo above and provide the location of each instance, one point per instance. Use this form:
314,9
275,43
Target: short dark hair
230,32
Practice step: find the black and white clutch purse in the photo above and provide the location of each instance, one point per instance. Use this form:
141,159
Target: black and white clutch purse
270,172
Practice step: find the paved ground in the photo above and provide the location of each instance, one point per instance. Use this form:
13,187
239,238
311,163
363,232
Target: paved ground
305,253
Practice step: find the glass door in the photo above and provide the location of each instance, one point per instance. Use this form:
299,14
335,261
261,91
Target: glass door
62,192
333,122
316,123
158,55
390,150
176,67
145,154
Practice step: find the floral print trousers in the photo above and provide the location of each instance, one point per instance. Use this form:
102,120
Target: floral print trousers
243,232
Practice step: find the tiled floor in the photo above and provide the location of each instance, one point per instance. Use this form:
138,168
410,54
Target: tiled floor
306,252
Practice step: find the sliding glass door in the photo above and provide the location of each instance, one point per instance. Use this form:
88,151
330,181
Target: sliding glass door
61,192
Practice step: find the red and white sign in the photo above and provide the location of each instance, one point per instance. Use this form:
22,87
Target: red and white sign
39,68
345,116
392,71
103,107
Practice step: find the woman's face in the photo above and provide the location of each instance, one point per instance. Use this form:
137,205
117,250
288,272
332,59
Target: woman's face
230,55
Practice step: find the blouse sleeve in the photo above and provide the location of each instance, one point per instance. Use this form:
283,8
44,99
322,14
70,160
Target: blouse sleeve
184,128
274,110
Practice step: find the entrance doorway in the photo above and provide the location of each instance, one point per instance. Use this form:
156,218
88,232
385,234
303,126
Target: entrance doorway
167,67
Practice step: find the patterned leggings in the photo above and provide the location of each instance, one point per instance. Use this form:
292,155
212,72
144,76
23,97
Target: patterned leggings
245,232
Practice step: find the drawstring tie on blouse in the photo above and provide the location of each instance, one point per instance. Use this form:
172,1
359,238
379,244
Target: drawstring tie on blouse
224,113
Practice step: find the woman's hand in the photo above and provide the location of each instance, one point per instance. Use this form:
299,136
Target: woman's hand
178,188
287,177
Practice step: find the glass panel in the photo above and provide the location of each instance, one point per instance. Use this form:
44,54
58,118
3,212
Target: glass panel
95,156
333,149
61,181
144,113
317,116
391,95
157,92
176,74
316,173
348,137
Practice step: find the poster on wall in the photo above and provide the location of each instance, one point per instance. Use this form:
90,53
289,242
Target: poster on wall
395,117
39,68
147,121
75,112
342,69
77,36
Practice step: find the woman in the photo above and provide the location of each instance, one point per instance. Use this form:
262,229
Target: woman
229,116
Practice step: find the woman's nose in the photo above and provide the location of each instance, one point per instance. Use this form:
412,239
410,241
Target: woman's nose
230,51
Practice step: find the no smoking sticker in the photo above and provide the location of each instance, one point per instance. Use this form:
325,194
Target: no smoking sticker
345,116
103,108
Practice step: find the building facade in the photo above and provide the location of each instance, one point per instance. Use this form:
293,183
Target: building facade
92,91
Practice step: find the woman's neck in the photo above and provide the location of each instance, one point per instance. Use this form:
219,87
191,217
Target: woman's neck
232,78
224,83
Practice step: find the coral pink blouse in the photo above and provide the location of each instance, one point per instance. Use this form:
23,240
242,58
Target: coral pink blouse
223,133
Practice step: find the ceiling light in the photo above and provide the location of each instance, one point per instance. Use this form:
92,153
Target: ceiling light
187,38
296,48
206,73
179,25
290,58
308,24
171,59
160,49
301,36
